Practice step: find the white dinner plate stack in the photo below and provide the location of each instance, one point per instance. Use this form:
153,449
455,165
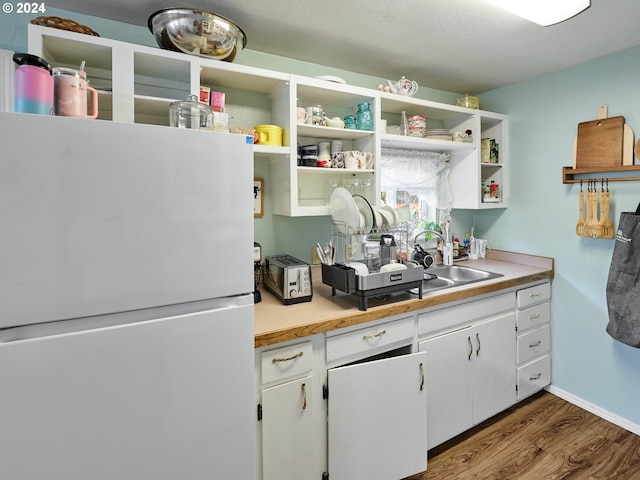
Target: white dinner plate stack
438,134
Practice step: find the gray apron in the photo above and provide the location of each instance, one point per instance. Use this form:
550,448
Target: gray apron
623,284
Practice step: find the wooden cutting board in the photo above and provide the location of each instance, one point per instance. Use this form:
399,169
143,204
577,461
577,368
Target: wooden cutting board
600,143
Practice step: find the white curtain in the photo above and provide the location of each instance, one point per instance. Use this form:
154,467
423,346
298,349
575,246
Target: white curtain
425,174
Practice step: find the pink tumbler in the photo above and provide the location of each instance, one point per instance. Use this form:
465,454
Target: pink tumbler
33,85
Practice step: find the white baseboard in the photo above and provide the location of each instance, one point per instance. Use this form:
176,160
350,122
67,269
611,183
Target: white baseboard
590,407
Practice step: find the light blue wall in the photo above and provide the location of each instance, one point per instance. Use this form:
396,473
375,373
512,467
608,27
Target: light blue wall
543,118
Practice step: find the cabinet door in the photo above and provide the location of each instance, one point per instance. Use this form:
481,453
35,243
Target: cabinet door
377,419
494,373
450,386
287,431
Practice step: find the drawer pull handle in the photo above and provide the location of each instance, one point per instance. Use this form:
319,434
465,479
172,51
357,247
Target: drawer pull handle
304,397
534,317
535,344
478,340
287,359
535,377
421,377
470,348
535,294
371,336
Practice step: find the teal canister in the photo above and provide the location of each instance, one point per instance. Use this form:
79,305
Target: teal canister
364,117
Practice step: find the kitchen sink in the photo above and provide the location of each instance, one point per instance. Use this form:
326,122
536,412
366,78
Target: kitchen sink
447,276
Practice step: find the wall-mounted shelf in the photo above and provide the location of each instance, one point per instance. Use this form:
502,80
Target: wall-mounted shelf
569,173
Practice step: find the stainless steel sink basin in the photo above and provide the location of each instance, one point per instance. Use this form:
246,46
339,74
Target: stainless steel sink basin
453,276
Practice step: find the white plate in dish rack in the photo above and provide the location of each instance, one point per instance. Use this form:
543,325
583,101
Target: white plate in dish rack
344,211
365,209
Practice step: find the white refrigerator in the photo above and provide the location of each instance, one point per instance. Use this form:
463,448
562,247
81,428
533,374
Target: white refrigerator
126,306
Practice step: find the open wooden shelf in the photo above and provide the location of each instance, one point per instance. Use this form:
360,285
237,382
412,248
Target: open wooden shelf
568,173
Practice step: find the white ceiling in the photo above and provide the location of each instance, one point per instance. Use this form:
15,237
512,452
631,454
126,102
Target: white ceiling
454,45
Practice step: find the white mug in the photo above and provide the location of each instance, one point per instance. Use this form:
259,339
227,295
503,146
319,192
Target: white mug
357,160
351,160
301,115
366,160
314,115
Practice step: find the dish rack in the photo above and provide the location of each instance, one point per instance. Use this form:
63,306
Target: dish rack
352,245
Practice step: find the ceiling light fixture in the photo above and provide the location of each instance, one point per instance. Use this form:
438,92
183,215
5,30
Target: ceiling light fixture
543,12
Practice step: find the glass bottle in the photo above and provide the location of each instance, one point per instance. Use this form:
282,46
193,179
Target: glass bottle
404,127
364,116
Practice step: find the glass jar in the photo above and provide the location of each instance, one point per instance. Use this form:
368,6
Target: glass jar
364,117
191,114
468,101
350,122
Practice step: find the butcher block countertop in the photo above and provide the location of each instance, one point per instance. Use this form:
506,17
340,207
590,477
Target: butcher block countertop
275,322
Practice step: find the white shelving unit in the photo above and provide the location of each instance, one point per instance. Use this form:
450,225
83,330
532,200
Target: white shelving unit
137,83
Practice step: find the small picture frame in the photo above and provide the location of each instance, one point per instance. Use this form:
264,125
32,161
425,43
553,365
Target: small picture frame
258,197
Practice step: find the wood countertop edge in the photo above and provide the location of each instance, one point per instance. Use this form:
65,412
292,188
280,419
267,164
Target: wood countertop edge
405,306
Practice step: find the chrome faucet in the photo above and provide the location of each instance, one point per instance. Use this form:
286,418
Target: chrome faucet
447,252
435,232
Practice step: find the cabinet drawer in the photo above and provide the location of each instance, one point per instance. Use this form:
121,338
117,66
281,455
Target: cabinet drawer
535,294
449,317
534,343
370,339
534,316
286,362
534,376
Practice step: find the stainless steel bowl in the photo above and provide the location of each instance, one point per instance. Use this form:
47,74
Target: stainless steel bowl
197,32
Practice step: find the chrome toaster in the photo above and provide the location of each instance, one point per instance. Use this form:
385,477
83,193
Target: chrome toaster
288,278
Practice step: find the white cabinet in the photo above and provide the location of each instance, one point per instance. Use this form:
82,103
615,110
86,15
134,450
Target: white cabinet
351,403
377,422
468,172
305,190
369,401
137,84
377,419
533,322
287,430
287,412
470,371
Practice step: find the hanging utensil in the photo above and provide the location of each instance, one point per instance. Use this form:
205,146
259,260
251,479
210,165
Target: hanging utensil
593,225
608,229
586,232
596,228
580,224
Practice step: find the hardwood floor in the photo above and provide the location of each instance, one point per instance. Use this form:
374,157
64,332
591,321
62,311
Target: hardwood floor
542,438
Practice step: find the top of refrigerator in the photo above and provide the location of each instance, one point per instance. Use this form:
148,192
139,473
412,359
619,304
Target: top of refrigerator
101,217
